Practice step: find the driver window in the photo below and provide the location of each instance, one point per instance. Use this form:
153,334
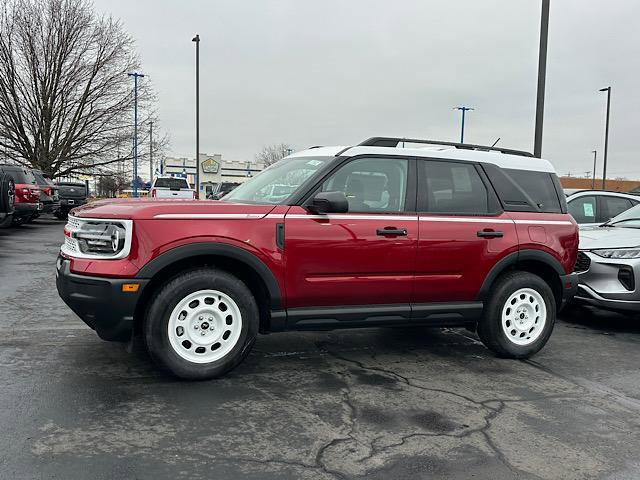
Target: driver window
371,184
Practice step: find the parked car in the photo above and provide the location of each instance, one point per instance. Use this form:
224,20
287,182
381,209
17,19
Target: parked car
49,200
27,193
7,199
220,189
608,263
71,195
370,235
171,187
594,207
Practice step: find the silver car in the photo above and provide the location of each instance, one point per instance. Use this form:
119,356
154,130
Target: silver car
609,263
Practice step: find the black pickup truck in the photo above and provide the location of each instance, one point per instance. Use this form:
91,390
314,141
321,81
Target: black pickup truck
71,195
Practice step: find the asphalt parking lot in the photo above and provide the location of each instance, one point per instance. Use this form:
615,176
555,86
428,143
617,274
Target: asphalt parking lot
376,404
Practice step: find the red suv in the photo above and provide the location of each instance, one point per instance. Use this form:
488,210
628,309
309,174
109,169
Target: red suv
432,234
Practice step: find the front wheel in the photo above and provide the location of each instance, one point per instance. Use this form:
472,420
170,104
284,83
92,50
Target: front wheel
201,324
519,316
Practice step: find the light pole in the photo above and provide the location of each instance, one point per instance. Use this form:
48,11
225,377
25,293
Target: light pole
542,74
151,152
135,76
196,39
593,182
606,136
463,109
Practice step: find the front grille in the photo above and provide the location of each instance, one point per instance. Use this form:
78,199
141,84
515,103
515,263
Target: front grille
583,263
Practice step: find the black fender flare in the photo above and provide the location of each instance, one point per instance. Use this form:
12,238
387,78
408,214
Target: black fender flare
512,259
219,249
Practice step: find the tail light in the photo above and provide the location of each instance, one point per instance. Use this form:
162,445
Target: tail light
153,193
48,191
195,195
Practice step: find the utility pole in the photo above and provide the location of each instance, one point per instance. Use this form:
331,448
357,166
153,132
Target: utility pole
606,136
463,109
593,182
542,74
135,76
151,152
196,39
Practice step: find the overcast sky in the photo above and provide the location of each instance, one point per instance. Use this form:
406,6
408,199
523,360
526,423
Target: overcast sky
335,72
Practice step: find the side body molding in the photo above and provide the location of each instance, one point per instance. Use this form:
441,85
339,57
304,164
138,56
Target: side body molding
220,249
514,258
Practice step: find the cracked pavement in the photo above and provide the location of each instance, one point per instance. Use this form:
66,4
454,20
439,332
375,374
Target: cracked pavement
405,403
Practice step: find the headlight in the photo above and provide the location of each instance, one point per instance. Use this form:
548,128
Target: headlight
618,253
97,238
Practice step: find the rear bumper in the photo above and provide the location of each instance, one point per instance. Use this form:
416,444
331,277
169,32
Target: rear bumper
99,301
24,210
69,203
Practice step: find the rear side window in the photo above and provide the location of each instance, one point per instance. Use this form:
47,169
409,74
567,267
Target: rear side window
526,190
613,206
452,188
583,209
172,183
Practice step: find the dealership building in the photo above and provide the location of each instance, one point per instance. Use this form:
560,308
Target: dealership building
213,169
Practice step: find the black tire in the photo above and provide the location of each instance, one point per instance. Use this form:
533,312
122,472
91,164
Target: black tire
7,193
490,328
167,297
6,222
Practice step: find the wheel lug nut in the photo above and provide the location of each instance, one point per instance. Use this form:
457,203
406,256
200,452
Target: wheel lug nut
202,332
196,327
200,317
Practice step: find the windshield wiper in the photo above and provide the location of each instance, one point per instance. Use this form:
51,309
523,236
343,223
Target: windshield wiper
621,221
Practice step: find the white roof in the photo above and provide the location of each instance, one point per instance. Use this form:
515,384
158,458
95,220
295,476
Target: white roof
503,160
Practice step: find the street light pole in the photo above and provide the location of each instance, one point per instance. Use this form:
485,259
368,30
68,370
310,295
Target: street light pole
542,74
463,109
135,76
151,152
593,182
606,136
196,39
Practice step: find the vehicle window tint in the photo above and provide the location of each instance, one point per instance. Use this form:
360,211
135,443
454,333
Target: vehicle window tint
613,206
371,184
583,209
539,187
20,175
173,183
453,188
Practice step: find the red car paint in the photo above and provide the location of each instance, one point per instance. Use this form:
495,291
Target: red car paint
339,259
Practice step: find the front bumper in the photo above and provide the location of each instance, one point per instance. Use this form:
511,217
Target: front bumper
569,288
99,301
600,284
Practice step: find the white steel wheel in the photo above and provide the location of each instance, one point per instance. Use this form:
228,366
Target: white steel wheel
524,316
204,326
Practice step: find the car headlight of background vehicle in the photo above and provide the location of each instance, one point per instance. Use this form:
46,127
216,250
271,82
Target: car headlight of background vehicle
621,253
97,238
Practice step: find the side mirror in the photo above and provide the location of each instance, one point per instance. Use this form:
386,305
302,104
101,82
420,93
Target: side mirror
329,202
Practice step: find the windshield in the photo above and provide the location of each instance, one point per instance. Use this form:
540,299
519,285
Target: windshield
628,218
276,183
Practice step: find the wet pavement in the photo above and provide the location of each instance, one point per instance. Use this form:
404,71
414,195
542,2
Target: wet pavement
410,403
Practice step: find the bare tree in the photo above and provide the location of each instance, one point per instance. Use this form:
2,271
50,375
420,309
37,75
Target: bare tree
66,102
273,153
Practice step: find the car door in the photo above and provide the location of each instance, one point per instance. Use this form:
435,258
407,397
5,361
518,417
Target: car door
364,257
463,232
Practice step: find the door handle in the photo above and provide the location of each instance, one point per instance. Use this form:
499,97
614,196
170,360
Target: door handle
391,231
490,234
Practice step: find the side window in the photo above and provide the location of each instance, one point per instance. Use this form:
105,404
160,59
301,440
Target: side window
452,188
612,206
371,184
583,209
539,186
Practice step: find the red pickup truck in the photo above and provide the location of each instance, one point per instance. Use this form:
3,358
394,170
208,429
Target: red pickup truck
371,235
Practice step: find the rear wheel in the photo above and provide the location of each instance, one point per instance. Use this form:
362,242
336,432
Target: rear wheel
519,316
201,324
7,193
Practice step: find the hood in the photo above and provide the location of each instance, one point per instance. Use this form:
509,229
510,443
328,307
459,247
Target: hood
609,237
147,209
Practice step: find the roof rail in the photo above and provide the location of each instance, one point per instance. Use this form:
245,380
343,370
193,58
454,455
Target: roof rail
394,142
